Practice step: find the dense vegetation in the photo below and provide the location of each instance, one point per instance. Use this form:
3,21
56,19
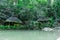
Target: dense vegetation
29,11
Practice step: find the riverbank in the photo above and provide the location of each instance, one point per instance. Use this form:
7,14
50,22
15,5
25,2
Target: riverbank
2,27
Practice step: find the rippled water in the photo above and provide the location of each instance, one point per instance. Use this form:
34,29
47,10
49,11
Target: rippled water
28,35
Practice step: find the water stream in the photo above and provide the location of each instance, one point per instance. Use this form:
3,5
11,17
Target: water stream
28,35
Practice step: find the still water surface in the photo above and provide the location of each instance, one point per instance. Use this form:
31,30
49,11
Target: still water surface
28,35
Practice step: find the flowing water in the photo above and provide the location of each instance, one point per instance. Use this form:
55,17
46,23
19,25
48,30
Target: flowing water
28,35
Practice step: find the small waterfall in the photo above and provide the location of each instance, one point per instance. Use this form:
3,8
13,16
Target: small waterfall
48,29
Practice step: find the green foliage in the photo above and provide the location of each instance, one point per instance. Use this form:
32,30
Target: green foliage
57,8
30,10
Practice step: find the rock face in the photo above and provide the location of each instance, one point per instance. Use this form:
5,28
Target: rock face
47,29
